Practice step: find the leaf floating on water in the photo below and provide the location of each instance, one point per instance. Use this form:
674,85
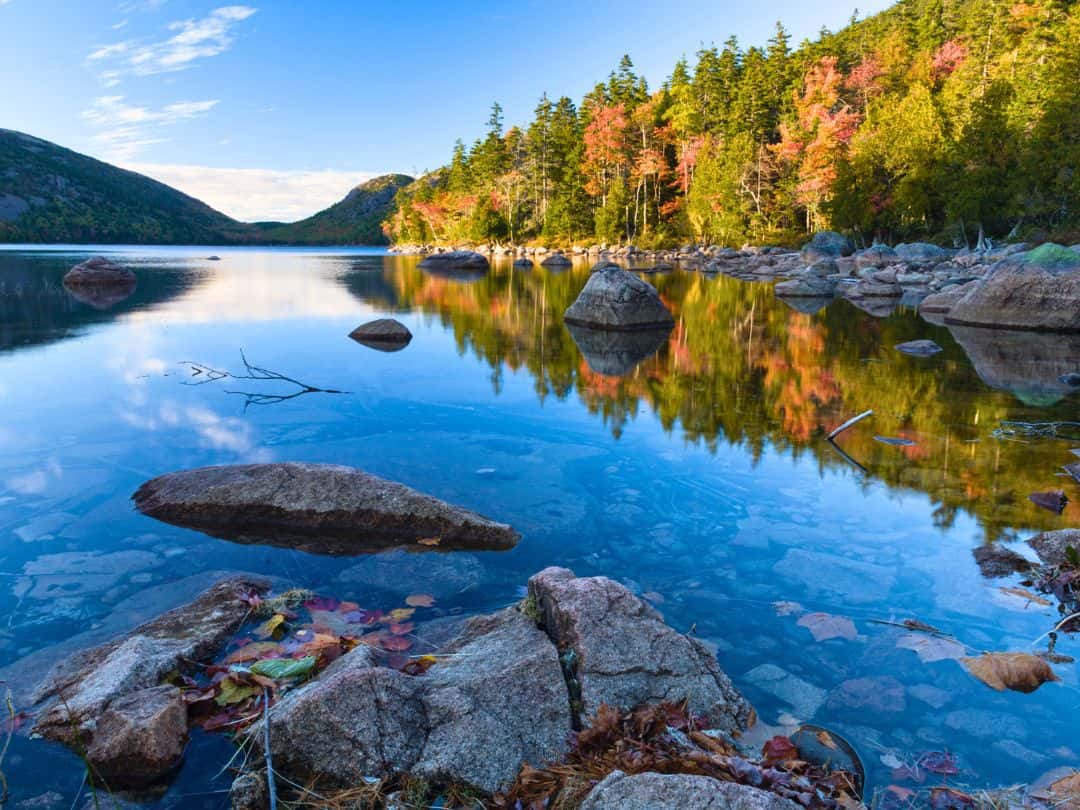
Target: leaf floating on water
825,738
399,615
922,627
931,648
420,600
1065,792
284,668
252,652
778,750
395,643
429,541
940,762
270,626
1027,595
824,626
946,798
1020,672
231,691
894,441
1054,500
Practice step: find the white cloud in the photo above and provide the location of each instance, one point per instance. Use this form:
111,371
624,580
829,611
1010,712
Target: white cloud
194,39
253,195
124,130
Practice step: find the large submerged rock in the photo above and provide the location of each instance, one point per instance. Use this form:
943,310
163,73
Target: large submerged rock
1036,290
616,299
109,700
652,791
319,508
496,700
617,353
621,653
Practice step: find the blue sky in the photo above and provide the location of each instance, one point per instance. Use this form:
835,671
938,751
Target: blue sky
275,108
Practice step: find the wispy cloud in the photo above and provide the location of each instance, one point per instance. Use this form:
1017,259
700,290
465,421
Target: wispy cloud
194,39
124,130
254,195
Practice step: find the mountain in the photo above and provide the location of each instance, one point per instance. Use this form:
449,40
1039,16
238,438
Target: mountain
357,219
52,194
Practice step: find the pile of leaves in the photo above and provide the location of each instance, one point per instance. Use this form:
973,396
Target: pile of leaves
666,738
293,637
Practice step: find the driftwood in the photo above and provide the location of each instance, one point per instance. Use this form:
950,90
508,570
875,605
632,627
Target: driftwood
256,373
849,423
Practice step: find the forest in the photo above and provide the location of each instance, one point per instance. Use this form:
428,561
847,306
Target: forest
947,120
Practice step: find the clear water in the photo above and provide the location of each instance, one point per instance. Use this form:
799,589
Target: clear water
699,478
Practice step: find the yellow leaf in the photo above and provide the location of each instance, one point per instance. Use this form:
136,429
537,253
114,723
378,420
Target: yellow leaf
399,615
1028,595
429,541
268,628
1020,672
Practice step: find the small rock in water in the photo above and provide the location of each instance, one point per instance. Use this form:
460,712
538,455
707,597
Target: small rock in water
896,442
998,561
830,751
617,299
383,334
918,348
140,737
1054,500
213,258
99,271
1074,471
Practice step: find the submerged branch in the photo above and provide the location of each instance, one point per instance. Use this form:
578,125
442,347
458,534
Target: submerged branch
208,374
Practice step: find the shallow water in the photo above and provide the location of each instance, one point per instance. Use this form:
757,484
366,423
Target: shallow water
699,477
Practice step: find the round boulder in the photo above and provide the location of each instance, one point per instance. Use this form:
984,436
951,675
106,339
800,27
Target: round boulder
826,245
99,272
619,300
556,260
383,334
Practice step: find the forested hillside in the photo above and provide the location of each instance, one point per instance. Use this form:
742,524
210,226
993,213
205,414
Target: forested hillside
936,118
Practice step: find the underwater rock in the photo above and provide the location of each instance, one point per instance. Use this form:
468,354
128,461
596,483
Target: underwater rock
918,348
99,272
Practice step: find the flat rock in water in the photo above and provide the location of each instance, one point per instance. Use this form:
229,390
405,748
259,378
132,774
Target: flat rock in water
454,260
1037,290
318,508
624,654
618,300
996,561
806,287
617,353
384,334
495,701
945,299
918,348
93,680
1052,547
652,791
99,272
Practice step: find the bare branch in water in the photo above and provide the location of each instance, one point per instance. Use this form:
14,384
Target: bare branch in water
1037,430
209,374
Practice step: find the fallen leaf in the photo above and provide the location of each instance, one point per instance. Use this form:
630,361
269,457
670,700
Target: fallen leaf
931,648
420,600
284,668
270,626
395,643
1026,595
946,798
401,629
429,541
779,749
825,738
1020,672
252,652
824,626
231,692
939,762
787,608
1066,789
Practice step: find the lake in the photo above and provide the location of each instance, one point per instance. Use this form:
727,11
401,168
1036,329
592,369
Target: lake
692,468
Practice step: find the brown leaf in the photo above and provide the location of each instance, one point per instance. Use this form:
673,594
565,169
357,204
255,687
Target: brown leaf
779,749
420,600
429,541
1066,789
1021,672
825,738
825,626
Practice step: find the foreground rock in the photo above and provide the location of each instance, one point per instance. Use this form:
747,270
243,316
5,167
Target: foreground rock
498,700
319,508
112,702
826,245
384,334
502,694
455,260
1037,290
623,654
139,737
99,272
616,354
1053,547
618,300
650,791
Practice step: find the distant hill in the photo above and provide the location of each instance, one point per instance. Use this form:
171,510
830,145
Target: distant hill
52,194
357,219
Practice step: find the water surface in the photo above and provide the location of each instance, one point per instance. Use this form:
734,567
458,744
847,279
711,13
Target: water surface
691,467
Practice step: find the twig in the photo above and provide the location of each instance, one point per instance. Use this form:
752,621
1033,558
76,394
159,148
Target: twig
270,784
1057,627
255,373
7,741
854,420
